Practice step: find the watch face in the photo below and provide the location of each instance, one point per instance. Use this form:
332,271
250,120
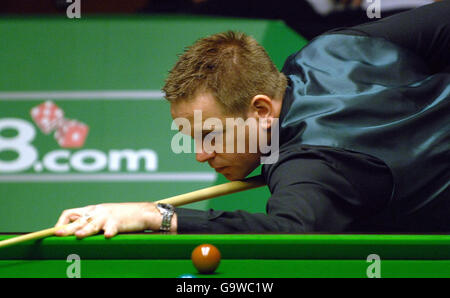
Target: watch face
166,206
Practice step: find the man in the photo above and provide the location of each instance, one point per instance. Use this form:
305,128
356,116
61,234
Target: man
363,131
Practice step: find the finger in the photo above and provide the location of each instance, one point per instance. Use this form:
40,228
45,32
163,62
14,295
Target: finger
111,229
64,221
65,217
74,217
70,229
63,230
68,215
91,228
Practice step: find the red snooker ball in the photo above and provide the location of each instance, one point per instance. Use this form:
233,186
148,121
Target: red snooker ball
206,258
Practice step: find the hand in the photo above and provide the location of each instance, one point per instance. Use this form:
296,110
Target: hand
111,218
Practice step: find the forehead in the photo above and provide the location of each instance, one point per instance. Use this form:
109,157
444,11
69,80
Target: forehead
205,103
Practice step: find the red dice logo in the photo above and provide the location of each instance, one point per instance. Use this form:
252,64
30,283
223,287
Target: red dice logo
47,116
71,134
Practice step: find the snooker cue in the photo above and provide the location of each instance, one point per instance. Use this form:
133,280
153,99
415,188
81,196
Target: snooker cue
179,200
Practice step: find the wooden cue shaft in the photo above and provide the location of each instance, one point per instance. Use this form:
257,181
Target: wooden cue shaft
214,191
30,236
191,197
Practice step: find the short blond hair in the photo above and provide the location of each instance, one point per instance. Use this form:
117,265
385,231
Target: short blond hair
232,66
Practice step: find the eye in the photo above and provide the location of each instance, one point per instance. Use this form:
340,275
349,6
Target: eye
212,136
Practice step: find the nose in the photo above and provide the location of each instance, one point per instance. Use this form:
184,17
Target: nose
203,156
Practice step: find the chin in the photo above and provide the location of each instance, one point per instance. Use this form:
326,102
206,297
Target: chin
233,176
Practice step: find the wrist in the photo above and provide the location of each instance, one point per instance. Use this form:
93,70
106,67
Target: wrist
167,220
152,218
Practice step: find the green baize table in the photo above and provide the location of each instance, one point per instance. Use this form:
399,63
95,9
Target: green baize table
243,256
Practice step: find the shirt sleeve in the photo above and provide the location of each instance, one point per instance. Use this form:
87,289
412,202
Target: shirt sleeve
312,191
424,30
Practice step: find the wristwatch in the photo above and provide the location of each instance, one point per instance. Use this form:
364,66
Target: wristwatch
167,212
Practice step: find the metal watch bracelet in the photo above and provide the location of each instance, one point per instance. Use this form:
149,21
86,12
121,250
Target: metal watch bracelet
167,211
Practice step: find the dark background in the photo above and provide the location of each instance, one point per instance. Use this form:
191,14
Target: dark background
298,15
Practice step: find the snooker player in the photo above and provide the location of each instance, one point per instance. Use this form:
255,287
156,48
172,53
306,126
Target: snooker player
364,131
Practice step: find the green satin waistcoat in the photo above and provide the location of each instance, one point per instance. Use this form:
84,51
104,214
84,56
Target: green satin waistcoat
368,95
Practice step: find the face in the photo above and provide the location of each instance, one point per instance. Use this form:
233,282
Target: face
233,165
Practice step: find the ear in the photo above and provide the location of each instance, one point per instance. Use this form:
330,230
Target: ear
262,108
